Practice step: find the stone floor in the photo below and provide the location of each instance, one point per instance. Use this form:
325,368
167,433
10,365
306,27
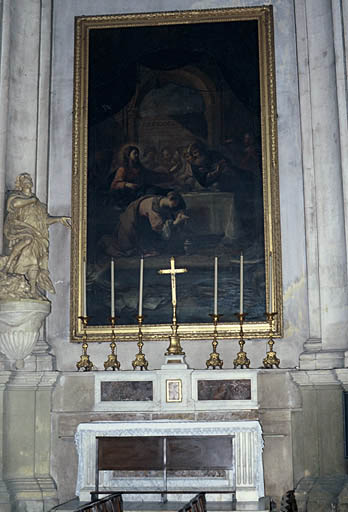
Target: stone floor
148,506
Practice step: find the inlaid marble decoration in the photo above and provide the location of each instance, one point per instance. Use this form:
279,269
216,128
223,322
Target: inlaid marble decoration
173,390
236,389
123,391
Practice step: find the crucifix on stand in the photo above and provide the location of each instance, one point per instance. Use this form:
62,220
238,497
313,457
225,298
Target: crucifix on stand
174,348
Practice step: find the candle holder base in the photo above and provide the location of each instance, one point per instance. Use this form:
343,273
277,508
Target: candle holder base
112,362
271,358
241,359
174,348
84,362
214,360
140,362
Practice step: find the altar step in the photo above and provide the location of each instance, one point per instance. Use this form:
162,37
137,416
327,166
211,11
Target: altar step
174,506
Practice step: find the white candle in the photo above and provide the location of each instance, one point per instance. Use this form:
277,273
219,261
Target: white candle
270,294
112,269
241,284
84,289
141,284
215,284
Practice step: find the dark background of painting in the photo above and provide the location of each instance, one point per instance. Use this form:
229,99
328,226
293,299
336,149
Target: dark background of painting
166,87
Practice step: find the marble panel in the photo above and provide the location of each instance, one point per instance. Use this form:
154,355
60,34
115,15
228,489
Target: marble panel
138,391
237,389
225,390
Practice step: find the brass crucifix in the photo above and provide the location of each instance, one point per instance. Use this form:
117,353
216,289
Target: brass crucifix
173,271
174,347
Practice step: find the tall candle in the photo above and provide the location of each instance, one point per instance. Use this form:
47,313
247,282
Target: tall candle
270,294
141,284
215,284
84,289
241,283
112,269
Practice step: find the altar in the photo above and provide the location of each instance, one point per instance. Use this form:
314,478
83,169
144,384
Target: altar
166,393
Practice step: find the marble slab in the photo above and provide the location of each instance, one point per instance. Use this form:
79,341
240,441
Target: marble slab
237,389
128,390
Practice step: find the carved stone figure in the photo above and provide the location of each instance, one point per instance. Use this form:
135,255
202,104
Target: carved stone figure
26,230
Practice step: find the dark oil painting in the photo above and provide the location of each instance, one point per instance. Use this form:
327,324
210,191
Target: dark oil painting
175,169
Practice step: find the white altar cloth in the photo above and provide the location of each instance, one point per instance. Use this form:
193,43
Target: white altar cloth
246,478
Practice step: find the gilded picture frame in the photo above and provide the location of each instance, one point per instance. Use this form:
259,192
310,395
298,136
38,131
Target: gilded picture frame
196,89
173,390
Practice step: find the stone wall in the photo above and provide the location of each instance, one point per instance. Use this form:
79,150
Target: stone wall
300,411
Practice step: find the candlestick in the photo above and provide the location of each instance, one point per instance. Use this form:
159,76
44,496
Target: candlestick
271,358
214,360
112,361
241,284
84,289
141,284
270,294
215,285
84,361
241,359
112,288
140,359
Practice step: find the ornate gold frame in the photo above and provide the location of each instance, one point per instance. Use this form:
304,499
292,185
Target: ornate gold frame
264,17
169,383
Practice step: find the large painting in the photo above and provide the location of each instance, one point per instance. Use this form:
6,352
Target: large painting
175,154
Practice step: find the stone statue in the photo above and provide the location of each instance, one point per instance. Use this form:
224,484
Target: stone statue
24,272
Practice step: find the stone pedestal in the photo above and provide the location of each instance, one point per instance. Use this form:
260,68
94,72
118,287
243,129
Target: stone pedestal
27,441
319,445
172,362
41,359
20,323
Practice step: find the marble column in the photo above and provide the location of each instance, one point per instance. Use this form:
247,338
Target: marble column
4,86
23,89
314,336
27,440
25,93
4,495
325,220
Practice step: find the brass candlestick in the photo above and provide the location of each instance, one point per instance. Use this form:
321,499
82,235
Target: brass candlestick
140,360
174,339
84,362
271,358
241,359
112,361
214,360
